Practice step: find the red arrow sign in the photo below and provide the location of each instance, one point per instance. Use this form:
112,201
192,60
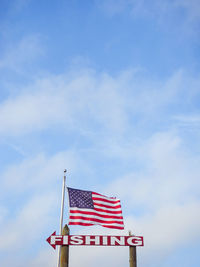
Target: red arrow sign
94,240
50,241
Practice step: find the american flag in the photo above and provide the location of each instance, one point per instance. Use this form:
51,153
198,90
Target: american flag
90,208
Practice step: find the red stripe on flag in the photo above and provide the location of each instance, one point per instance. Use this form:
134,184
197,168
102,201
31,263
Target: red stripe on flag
106,206
94,220
114,227
96,214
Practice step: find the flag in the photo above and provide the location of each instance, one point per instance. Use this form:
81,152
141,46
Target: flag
90,208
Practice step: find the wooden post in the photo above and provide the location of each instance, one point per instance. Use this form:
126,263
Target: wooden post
132,255
64,254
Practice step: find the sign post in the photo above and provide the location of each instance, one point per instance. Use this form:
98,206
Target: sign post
132,255
64,250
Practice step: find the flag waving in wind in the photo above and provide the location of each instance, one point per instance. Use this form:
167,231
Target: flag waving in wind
90,208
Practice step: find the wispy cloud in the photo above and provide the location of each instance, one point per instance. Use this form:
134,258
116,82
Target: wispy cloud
144,7
18,5
85,100
189,121
182,16
40,171
64,100
18,55
22,224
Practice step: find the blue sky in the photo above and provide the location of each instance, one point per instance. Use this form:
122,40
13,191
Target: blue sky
109,90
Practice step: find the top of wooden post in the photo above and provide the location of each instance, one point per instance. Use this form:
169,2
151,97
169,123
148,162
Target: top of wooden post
65,230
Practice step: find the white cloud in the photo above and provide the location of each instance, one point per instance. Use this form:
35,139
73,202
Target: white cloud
72,102
19,5
191,121
47,257
169,174
112,7
20,53
3,213
144,7
87,101
32,218
39,173
182,16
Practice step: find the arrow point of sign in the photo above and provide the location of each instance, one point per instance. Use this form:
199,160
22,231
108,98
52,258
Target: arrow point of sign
49,240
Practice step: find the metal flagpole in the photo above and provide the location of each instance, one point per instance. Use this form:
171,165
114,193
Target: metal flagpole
61,215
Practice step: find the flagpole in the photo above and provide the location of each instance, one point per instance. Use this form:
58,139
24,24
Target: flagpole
61,214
